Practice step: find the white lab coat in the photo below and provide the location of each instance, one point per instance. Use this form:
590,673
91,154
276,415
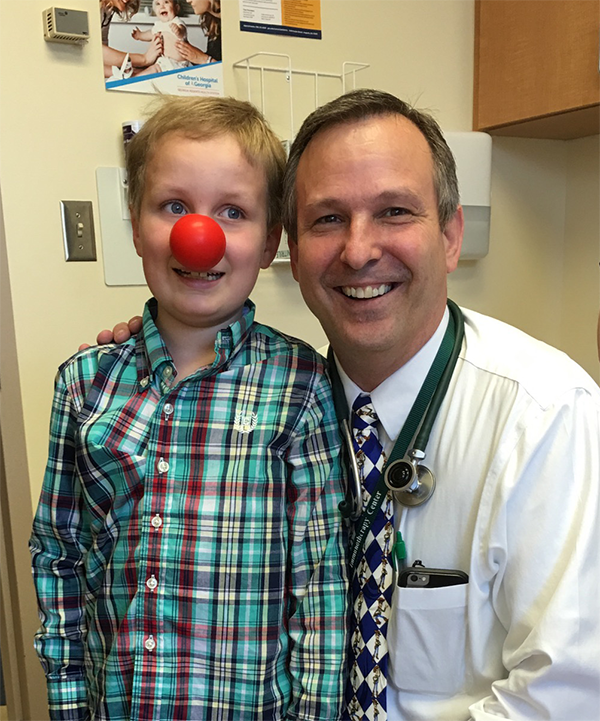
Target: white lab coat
516,452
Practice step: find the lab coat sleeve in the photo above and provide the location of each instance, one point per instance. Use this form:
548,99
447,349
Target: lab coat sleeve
544,543
58,545
317,578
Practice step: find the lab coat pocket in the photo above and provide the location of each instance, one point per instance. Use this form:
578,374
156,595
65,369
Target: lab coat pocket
427,639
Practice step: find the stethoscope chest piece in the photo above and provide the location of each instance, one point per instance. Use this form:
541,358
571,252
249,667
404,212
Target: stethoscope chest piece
411,483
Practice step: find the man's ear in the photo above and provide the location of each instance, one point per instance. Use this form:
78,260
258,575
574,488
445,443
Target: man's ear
453,237
135,227
271,246
293,246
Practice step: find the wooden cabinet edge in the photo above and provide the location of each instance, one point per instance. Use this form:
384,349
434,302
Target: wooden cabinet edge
578,123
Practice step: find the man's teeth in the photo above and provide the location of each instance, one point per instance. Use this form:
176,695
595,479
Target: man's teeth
368,292
199,276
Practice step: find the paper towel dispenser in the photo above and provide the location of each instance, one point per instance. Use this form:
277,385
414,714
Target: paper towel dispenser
473,155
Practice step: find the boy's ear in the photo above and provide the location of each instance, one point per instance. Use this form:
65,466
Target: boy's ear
135,226
271,246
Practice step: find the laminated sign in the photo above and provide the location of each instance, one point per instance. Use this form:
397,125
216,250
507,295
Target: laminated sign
165,46
301,18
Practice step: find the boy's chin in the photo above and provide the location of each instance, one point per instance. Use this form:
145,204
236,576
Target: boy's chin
181,321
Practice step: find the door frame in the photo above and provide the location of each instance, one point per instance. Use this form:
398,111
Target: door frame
23,676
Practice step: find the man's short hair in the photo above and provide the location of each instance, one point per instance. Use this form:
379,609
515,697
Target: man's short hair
360,105
205,119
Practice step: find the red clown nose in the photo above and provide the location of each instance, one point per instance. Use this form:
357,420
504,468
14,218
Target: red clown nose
197,242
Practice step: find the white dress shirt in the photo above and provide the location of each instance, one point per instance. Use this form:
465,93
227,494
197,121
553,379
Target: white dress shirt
516,453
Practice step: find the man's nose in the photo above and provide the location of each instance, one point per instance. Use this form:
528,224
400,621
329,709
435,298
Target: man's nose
361,244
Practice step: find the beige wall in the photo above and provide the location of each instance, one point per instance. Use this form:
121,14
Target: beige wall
580,287
57,124
517,281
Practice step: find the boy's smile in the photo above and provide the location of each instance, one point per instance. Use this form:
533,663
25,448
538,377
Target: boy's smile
210,177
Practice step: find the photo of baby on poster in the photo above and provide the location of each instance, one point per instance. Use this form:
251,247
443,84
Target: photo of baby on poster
162,46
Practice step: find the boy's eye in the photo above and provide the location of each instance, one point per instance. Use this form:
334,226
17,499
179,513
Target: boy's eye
176,208
233,213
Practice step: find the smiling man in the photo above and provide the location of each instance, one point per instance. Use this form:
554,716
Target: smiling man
372,211
375,270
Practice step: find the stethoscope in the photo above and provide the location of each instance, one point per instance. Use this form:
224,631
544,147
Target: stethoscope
411,482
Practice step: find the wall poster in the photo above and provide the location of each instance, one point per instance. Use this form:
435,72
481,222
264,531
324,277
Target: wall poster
162,46
301,18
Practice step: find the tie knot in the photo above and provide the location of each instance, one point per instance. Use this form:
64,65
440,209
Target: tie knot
363,412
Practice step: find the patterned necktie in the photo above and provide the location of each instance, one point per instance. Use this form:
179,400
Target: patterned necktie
372,583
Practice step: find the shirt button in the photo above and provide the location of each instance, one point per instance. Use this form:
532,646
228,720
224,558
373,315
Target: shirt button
150,643
144,382
168,409
168,372
152,583
156,521
162,466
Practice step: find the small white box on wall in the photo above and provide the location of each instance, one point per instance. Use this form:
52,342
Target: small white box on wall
66,26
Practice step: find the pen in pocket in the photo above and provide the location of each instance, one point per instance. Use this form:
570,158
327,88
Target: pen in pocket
399,553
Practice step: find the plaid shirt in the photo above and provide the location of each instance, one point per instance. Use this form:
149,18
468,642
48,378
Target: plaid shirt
187,549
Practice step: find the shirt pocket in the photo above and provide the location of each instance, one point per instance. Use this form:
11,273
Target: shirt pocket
427,639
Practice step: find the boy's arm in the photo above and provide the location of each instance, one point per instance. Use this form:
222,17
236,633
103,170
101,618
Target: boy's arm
317,577
58,545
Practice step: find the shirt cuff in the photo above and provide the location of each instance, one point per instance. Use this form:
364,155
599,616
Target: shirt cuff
68,699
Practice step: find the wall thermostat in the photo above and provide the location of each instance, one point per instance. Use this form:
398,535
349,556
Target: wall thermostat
66,26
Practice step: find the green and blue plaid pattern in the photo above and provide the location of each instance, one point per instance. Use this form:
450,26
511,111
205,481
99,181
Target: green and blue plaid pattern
187,548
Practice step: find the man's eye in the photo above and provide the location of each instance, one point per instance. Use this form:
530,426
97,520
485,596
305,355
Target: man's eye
176,208
325,219
395,212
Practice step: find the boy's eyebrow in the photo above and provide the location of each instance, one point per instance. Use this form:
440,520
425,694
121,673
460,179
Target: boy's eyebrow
182,191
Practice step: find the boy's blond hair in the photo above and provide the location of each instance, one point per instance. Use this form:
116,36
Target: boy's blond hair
205,119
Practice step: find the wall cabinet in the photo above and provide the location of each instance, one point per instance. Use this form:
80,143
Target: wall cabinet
536,68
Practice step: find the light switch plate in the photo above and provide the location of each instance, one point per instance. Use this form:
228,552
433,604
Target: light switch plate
78,230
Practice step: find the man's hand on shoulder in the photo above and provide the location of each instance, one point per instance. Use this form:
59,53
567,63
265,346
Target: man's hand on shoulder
119,334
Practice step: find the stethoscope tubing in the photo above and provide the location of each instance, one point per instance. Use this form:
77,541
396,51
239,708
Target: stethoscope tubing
351,507
355,510
422,438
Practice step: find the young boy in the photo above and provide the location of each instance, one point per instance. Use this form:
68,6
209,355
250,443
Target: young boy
186,550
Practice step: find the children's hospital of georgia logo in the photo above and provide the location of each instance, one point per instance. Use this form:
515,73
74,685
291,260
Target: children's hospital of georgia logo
245,422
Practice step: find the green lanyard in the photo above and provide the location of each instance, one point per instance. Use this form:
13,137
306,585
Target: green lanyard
445,360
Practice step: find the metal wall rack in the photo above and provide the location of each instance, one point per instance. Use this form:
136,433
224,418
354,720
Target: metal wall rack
349,70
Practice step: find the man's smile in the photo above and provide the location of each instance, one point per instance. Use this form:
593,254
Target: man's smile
369,291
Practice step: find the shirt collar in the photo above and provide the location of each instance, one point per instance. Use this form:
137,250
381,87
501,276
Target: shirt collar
154,359
394,398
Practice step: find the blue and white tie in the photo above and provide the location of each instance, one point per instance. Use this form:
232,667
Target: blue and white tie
372,583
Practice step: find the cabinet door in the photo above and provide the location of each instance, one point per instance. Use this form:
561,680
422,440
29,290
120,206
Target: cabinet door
535,59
